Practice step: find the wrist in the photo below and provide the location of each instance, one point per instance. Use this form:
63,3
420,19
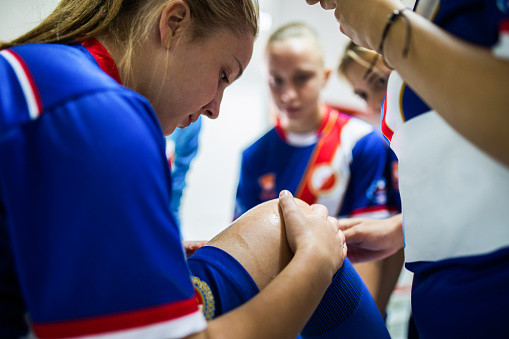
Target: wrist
317,261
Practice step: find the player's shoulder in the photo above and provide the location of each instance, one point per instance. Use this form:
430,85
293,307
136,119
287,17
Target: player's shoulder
60,72
262,144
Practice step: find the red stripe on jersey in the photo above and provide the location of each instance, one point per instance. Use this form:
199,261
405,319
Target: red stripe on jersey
324,152
27,83
386,130
369,209
116,322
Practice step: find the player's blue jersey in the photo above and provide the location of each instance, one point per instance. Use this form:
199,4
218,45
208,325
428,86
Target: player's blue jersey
342,167
455,197
88,244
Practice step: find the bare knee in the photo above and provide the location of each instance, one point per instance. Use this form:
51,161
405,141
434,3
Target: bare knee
257,240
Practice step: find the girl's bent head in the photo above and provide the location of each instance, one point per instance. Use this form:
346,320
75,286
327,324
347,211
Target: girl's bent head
353,66
180,54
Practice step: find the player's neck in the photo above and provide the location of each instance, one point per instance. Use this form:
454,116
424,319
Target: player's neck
303,126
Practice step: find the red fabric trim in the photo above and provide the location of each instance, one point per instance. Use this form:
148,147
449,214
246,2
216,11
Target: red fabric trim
30,77
116,322
324,151
103,57
386,131
504,26
279,130
369,209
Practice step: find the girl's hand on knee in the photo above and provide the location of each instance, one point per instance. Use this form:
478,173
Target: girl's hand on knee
311,231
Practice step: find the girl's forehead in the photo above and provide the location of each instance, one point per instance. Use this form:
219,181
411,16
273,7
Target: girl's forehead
295,49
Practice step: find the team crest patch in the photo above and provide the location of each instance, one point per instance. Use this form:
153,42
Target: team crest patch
324,179
267,183
205,298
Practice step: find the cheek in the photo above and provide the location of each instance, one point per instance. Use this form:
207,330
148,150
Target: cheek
275,93
311,92
379,97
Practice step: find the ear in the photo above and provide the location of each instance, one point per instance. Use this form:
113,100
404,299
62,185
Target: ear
326,75
175,18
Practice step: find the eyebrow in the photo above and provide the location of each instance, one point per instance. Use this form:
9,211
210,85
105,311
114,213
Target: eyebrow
241,70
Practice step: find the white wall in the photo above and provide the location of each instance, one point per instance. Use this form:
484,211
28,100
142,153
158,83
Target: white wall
17,16
208,202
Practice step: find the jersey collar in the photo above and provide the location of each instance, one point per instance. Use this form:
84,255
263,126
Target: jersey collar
103,57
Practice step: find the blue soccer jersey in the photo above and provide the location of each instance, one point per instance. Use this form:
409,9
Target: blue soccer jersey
341,166
89,246
454,196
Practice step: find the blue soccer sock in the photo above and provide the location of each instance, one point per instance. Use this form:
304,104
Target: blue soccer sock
347,310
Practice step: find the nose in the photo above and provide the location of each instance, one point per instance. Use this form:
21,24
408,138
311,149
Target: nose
211,110
288,94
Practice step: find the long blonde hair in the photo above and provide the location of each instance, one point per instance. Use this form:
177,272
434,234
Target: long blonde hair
127,21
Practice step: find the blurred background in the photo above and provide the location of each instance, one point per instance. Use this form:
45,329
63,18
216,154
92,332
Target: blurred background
208,201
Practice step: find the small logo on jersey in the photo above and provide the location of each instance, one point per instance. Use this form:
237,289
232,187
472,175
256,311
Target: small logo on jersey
324,179
267,183
205,298
377,192
395,176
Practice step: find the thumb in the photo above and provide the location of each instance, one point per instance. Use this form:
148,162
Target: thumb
288,206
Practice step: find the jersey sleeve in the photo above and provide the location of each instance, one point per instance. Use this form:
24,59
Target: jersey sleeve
366,194
96,250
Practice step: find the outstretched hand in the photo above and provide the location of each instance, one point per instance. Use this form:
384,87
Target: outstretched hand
370,239
311,231
361,21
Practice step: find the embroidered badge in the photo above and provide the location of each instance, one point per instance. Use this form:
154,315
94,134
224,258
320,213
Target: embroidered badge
267,183
205,298
324,179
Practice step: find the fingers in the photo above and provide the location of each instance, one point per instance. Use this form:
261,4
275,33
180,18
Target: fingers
347,223
341,235
320,210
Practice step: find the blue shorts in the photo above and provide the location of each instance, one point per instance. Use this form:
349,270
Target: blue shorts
462,298
221,281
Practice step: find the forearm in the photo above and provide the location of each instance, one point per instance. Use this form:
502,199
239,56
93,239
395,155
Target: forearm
282,308
448,74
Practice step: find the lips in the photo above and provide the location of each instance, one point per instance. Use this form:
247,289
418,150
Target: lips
291,110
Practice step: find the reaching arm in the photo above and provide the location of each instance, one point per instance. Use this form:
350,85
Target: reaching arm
459,80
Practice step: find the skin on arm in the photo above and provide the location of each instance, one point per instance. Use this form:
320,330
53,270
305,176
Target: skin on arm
452,91
291,285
